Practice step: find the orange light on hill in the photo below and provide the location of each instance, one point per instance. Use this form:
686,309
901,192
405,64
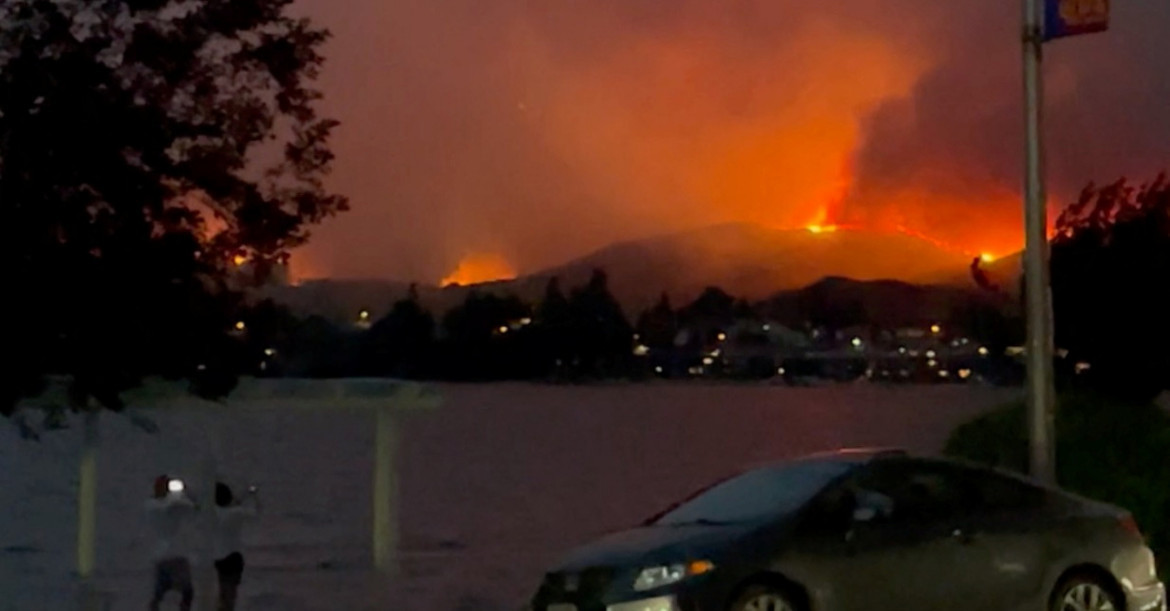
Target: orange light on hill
239,260
479,268
987,257
822,228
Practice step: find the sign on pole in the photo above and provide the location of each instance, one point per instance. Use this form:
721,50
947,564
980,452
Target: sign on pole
1064,18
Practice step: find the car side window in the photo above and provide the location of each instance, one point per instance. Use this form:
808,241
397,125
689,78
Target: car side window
916,492
1000,493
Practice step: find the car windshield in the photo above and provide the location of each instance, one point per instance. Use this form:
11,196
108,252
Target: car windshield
755,494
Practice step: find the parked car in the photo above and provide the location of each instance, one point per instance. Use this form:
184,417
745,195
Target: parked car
868,530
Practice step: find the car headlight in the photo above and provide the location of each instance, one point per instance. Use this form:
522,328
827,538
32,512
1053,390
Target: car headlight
658,576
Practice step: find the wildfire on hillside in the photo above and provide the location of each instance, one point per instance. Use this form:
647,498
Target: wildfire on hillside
478,268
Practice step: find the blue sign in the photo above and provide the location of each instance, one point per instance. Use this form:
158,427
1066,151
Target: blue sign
1063,18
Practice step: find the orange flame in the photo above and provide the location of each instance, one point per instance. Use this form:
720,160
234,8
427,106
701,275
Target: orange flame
479,268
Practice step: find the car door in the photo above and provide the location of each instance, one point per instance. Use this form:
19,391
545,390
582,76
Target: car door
1007,526
915,555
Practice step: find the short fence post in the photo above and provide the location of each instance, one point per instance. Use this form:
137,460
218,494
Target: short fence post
385,491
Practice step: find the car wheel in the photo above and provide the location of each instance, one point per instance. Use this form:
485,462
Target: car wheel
1085,594
763,598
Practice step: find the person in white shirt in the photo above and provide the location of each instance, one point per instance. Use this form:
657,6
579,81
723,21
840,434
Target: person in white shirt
170,512
230,517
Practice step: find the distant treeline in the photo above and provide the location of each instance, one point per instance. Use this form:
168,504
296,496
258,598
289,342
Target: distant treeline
579,336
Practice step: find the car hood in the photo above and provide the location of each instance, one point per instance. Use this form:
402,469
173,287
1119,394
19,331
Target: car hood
650,545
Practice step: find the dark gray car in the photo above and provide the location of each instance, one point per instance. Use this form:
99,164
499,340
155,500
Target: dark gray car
867,530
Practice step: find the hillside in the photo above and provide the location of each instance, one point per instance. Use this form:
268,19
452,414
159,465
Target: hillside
754,262
747,261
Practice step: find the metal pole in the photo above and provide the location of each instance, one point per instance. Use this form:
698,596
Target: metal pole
1041,386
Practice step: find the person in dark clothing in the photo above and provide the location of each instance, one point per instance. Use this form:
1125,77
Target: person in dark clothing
230,517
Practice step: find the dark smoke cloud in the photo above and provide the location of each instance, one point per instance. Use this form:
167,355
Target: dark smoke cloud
540,129
951,152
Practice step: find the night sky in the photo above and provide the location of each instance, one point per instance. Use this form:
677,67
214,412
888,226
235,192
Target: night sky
532,131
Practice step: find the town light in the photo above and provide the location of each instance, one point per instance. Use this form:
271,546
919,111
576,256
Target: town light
935,329
240,326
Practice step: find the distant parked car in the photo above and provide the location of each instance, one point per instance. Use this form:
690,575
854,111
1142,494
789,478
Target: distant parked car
866,530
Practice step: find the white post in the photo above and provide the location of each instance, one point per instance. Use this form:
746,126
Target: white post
87,511
1041,386
385,491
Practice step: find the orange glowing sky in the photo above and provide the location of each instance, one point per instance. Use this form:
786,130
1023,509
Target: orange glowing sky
541,130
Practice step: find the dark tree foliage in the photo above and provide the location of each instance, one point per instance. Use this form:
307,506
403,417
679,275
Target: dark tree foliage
602,338
485,340
400,344
1111,286
658,326
710,314
554,325
130,185
713,306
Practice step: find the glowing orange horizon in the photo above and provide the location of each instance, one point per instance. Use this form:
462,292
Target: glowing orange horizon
478,268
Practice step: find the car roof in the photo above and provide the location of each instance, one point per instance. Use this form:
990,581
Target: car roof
857,455
851,458
864,456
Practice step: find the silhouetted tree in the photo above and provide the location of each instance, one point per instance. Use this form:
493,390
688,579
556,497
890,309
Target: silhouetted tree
485,340
401,343
658,326
979,275
602,337
554,326
267,338
319,349
1111,286
713,304
709,315
128,192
